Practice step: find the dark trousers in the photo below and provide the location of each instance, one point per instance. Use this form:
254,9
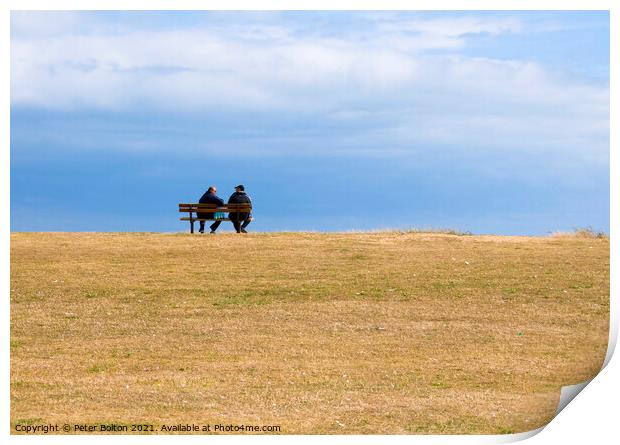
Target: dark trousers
213,226
242,223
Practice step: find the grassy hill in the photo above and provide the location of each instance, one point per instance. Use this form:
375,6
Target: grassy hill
377,333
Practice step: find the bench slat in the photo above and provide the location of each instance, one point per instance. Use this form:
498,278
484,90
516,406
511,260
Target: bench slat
212,205
215,211
187,218
225,209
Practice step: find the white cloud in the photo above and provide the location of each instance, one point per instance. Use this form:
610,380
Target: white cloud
198,67
66,60
37,25
454,26
383,71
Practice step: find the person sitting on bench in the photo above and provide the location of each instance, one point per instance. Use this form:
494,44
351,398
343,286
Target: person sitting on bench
210,197
240,220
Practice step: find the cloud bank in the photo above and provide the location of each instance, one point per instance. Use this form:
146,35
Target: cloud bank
403,79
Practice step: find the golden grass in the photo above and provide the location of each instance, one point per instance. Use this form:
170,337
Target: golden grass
587,232
374,333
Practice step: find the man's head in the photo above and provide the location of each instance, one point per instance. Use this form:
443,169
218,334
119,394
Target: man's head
240,188
212,190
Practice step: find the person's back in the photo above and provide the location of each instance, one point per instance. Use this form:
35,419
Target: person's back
210,197
239,198
237,218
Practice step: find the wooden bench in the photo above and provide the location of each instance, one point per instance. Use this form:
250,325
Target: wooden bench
212,209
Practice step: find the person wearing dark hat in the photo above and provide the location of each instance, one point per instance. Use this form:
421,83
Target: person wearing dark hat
240,220
209,197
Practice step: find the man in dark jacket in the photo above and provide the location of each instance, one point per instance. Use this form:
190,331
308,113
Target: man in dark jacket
240,220
210,197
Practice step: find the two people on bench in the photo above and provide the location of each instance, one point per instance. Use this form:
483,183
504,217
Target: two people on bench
240,220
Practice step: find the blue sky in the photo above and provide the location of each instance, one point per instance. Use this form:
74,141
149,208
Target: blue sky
489,122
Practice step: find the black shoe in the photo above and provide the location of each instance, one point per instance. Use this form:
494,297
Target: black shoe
201,230
243,230
212,232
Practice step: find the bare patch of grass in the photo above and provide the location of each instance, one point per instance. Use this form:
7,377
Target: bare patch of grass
426,230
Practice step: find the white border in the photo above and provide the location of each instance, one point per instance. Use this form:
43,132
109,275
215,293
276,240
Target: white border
324,5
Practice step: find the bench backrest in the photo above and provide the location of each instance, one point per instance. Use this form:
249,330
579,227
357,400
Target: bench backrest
212,208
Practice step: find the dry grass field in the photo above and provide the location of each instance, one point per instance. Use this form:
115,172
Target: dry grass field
372,333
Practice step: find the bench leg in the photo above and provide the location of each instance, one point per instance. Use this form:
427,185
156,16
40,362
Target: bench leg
191,225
